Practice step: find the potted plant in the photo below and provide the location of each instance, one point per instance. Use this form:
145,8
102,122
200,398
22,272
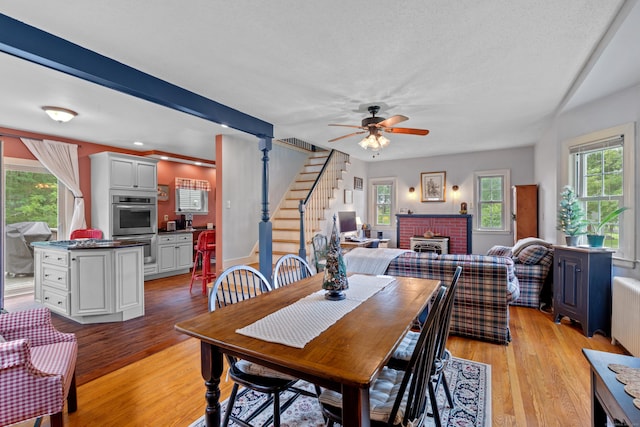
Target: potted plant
571,218
595,237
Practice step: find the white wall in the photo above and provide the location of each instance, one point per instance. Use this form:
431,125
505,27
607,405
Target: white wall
459,170
357,168
613,110
242,191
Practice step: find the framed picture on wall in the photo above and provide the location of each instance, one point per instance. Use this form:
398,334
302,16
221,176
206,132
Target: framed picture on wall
357,183
163,193
348,196
433,186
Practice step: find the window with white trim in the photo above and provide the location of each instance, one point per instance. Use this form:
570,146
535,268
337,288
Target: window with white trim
383,202
492,200
600,168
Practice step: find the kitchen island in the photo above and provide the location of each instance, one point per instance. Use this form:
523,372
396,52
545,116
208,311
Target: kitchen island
90,281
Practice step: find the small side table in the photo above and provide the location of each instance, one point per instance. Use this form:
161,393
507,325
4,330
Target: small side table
608,398
582,287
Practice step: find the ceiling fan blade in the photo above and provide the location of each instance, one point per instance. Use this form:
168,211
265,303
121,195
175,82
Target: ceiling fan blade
348,126
392,121
346,136
408,131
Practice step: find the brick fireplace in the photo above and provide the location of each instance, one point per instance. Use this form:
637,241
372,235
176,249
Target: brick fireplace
456,227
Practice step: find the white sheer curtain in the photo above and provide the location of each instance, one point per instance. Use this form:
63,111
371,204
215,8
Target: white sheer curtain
61,159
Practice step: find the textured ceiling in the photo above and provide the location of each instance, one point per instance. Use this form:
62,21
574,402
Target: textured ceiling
480,75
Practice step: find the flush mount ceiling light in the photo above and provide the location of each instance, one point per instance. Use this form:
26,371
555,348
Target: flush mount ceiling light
61,115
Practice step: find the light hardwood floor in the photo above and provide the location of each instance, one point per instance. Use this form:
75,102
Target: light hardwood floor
540,379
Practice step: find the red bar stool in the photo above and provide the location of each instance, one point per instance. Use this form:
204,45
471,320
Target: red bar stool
86,233
205,250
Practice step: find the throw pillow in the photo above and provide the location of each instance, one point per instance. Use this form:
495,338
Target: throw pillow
532,254
498,250
523,243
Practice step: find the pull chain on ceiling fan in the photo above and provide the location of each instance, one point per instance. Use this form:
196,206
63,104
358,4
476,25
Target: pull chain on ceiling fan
375,125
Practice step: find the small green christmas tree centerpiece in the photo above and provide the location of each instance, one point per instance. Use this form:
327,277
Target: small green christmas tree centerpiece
571,217
335,272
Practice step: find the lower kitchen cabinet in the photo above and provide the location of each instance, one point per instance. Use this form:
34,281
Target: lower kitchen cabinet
91,285
175,252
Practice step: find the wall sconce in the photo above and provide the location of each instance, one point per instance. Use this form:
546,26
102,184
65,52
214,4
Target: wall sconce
412,189
455,188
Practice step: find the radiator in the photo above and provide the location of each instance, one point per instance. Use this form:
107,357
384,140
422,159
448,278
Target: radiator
625,316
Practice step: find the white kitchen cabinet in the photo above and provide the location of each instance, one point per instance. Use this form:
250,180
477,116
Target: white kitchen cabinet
175,252
125,172
91,285
52,280
92,290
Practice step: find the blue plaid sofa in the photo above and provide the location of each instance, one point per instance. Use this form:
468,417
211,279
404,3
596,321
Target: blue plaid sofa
486,287
533,261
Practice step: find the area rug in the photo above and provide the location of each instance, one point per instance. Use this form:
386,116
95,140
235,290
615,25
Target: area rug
470,383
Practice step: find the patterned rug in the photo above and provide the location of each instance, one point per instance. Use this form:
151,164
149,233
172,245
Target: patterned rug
470,384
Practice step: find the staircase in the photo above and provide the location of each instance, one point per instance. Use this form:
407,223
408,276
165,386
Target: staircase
286,219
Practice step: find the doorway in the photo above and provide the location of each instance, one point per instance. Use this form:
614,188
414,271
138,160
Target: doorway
31,196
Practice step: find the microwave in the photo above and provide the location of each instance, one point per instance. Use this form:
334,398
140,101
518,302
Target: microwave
133,215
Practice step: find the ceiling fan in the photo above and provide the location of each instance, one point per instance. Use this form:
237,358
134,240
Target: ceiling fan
375,126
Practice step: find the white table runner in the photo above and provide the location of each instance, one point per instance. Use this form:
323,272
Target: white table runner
302,321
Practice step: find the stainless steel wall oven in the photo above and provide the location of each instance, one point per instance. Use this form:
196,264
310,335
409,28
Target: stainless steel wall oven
133,215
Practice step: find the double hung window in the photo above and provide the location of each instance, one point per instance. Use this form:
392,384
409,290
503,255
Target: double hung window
492,200
383,197
601,170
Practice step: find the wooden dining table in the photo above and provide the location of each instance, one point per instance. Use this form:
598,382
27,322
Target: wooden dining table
346,357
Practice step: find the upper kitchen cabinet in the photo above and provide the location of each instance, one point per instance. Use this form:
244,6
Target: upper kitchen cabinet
125,172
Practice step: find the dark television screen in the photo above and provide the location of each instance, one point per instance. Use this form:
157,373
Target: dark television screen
347,221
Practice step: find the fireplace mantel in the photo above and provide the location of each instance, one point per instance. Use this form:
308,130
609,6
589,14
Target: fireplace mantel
457,227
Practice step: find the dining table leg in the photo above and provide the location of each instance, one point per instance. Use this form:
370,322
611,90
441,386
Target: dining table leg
212,367
355,406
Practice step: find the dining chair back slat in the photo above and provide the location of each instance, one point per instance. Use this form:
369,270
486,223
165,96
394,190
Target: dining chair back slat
290,268
236,284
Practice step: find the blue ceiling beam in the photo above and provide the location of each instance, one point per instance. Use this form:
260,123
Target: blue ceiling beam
30,43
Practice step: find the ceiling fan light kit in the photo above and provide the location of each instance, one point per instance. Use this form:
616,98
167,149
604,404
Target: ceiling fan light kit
374,142
61,115
375,125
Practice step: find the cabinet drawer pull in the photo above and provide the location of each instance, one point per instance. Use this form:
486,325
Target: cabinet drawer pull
46,298
46,275
59,302
578,270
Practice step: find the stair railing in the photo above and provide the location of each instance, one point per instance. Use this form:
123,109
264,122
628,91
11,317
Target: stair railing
313,206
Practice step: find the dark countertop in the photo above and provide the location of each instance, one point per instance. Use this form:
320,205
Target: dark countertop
86,244
191,230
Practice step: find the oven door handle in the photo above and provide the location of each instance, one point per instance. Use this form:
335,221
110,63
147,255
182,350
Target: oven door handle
134,207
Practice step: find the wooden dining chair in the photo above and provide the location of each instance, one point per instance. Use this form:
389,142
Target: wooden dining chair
235,285
398,397
320,251
290,268
402,354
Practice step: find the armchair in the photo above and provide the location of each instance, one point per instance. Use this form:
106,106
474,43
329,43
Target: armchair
37,368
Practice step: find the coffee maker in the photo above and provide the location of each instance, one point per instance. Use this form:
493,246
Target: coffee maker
189,222
181,223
